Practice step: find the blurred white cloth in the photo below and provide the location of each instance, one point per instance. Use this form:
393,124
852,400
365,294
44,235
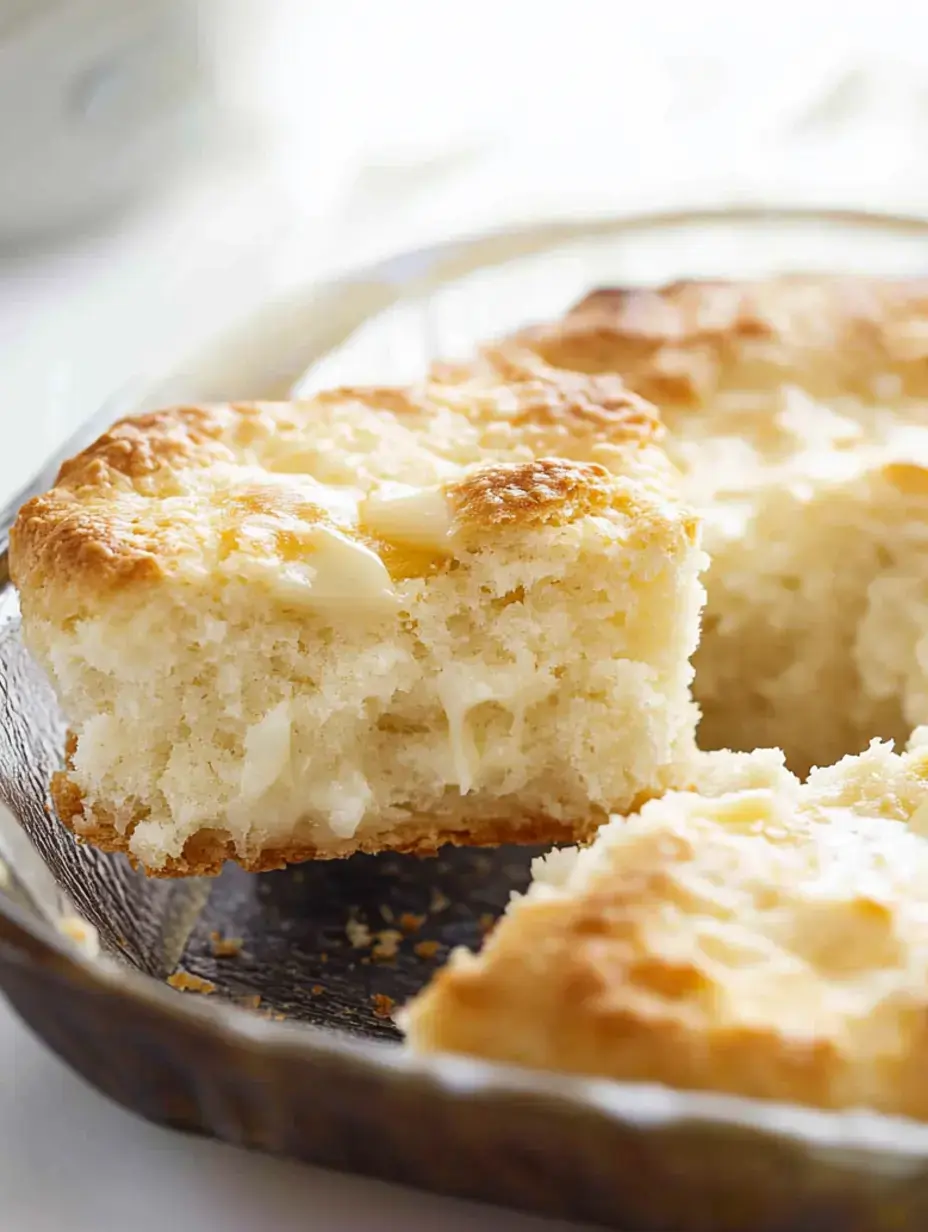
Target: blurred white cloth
364,128
359,128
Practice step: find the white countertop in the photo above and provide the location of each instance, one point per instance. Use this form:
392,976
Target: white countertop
581,107
71,1161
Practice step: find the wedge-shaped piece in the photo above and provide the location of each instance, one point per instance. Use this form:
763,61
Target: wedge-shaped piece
768,941
382,619
797,411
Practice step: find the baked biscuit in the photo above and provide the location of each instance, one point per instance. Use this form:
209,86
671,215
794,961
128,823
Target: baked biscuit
770,940
380,619
797,412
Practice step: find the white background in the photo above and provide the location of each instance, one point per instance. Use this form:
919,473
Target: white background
348,129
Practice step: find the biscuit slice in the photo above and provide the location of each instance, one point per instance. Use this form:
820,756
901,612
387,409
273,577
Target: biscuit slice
380,619
770,941
797,412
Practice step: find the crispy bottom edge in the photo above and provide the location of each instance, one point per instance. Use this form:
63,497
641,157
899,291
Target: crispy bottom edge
206,852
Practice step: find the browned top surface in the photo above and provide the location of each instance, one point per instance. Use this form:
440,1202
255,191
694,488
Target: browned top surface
682,342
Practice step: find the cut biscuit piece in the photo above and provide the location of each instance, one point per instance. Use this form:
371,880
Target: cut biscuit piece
797,411
768,941
380,619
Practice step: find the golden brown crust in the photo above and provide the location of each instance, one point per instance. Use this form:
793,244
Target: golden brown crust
607,1007
398,400
549,491
682,342
99,529
56,536
581,404
143,445
207,851
761,944
79,530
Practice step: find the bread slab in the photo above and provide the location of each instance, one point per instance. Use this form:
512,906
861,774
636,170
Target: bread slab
380,619
797,411
761,938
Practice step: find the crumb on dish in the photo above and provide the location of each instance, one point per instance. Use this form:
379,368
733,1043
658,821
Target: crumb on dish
383,1005
185,981
225,947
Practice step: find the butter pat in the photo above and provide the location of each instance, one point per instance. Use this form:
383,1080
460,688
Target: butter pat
319,567
417,517
346,572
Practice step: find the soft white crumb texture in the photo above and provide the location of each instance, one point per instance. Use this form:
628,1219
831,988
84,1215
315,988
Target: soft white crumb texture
815,635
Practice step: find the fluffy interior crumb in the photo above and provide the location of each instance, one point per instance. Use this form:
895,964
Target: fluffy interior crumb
815,635
768,940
